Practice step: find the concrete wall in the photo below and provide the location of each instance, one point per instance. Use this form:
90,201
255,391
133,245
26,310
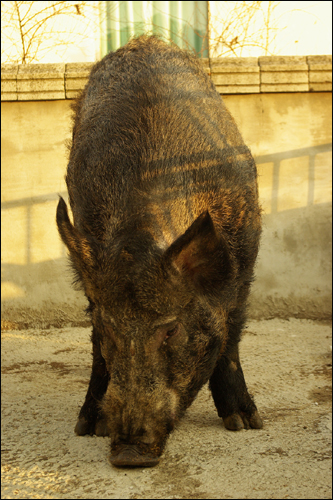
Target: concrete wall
289,135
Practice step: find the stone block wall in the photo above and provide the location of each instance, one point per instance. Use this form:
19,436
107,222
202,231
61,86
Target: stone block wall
245,75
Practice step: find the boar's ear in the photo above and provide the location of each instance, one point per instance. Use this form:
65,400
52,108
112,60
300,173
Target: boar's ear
78,246
201,256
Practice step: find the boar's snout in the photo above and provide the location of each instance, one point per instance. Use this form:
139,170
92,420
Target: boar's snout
132,455
139,423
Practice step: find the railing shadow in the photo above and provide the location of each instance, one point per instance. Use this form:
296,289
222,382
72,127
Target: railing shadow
277,158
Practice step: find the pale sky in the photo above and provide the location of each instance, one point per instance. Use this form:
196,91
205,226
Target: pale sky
303,28
308,28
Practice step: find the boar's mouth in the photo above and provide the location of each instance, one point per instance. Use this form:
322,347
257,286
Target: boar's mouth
133,455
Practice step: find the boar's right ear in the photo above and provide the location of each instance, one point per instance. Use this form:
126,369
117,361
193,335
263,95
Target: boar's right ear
78,246
201,256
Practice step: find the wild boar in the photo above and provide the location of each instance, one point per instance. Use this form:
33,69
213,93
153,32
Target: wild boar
164,241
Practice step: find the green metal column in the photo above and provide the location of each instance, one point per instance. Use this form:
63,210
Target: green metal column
185,23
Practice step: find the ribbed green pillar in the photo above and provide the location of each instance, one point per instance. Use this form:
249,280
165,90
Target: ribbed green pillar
185,23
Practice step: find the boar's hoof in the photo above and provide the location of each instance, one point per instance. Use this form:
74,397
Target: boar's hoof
130,456
256,421
236,421
82,427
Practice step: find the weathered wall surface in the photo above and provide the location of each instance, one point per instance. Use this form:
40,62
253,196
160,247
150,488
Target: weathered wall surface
289,135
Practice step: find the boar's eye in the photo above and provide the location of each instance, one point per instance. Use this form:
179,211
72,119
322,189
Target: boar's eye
168,331
171,331
163,333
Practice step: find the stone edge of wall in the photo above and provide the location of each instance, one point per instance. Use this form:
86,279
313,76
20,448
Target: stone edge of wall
244,75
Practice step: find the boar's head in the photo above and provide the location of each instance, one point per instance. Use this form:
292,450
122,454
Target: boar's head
159,317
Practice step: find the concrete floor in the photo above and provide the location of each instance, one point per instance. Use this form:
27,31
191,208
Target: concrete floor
287,365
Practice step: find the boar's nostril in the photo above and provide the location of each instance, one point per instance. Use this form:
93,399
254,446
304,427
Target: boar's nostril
130,456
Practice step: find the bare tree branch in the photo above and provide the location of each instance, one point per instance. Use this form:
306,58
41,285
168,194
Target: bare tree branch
31,29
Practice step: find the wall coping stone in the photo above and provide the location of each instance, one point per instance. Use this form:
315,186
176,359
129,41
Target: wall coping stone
231,75
76,77
320,73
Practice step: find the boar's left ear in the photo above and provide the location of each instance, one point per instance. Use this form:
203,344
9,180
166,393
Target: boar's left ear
201,256
78,246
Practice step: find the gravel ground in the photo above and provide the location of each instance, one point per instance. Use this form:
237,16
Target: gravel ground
287,365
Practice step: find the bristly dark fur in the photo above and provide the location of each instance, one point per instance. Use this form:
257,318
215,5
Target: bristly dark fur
166,232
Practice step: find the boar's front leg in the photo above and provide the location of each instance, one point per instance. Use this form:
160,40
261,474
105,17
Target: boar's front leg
91,420
232,400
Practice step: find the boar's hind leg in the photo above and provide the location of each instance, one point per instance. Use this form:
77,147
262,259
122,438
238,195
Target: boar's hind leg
229,391
91,420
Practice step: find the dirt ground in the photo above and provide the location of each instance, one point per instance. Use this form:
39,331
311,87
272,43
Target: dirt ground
287,365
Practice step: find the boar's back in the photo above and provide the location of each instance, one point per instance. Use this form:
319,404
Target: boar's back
153,143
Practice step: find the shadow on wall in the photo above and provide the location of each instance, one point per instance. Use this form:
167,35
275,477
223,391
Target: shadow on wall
294,264
27,204
276,159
